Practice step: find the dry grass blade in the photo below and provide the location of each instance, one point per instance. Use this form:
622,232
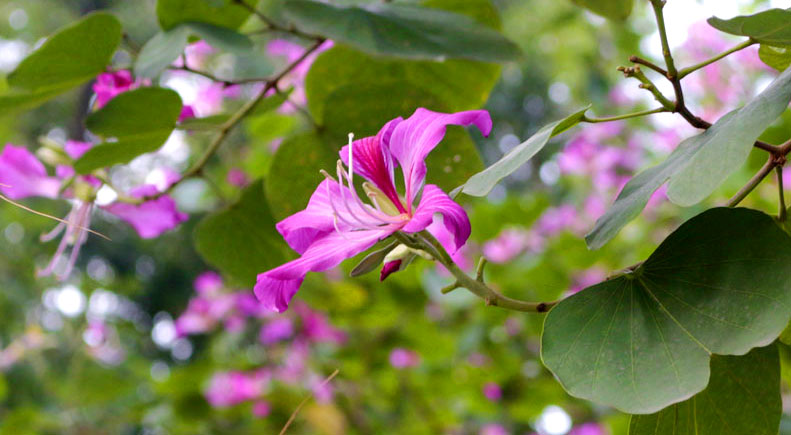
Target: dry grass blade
304,401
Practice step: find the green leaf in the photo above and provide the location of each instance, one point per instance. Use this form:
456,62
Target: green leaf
743,397
213,122
459,84
241,240
613,9
140,121
166,46
728,143
372,261
72,56
482,183
778,58
642,341
771,27
227,14
160,51
402,30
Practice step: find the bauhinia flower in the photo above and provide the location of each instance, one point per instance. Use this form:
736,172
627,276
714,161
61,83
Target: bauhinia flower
337,224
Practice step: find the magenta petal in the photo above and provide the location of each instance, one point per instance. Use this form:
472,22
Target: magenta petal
22,175
75,149
276,287
454,218
151,218
413,139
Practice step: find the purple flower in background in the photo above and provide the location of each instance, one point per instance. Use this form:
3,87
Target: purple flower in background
493,429
151,218
232,388
316,327
492,391
261,408
296,78
401,358
22,175
108,85
337,224
208,283
277,330
506,246
237,177
588,429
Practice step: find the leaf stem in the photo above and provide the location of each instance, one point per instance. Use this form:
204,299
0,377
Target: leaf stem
753,183
686,71
781,214
626,116
658,5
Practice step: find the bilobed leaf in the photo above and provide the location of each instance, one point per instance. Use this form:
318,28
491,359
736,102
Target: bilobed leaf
241,240
225,14
482,183
139,121
635,195
70,57
728,143
160,51
771,27
642,341
402,30
613,9
743,397
778,58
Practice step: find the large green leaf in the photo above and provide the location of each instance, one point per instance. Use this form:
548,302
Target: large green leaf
72,56
482,183
167,45
223,13
140,121
772,27
778,58
459,84
728,143
241,240
402,30
743,397
642,341
614,9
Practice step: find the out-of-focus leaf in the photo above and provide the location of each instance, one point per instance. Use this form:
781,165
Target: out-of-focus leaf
613,9
743,396
227,14
222,38
140,121
402,30
778,58
212,122
642,341
372,261
70,57
770,27
241,240
482,183
728,143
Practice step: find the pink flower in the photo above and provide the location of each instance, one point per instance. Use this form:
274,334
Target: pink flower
337,224
237,177
506,246
588,429
493,429
232,388
151,218
108,85
22,175
277,330
492,391
401,358
316,327
208,283
261,409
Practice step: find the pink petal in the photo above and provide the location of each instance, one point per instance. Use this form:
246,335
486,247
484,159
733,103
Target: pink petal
413,139
151,218
22,175
276,287
75,149
454,218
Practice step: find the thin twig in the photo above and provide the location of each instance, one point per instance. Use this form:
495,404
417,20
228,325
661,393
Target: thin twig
649,64
304,401
686,71
755,181
481,266
781,214
626,116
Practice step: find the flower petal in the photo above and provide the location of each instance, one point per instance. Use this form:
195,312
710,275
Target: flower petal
320,217
22,175
151,218
413,139
276,287
454,218
372,160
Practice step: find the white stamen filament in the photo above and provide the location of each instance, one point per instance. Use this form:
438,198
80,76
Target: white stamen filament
351,156
378,218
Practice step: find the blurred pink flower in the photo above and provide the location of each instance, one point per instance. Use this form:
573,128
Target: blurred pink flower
237,177
493,429
492,391
401,358
278,329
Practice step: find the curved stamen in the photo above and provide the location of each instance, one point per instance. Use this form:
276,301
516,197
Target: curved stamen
341,176
84,219
332,201
381,216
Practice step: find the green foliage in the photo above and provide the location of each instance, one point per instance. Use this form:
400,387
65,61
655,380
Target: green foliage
778,58
771,27
614,9
140,121
482,183
402,30
728,143
72,56
224,13
241,240
743,396
642,341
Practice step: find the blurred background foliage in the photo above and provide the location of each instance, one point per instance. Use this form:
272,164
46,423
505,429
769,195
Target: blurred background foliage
108,352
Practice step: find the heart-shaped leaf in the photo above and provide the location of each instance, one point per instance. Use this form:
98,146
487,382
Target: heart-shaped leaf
743,397
140,121
771,27
642,341
402,30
